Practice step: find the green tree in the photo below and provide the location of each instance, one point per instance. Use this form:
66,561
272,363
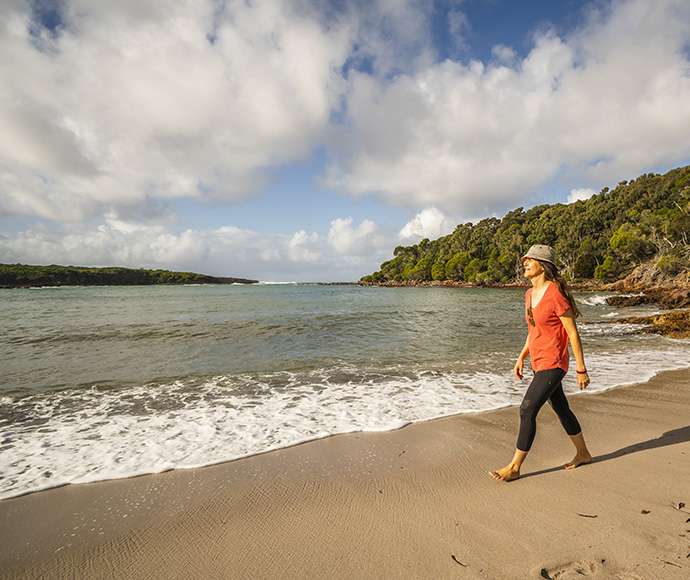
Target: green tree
608,270
474,268
632,242
629,224
422,270
455,267
438,271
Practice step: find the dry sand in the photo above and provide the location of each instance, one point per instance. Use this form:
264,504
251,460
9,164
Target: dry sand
417,503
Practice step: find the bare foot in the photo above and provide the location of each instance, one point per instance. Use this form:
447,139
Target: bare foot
506,474
579,459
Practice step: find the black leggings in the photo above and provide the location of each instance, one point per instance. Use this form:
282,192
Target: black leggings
545,386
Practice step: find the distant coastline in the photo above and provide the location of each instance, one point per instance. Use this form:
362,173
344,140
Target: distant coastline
27,276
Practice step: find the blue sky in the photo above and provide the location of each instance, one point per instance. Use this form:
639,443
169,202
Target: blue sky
303,140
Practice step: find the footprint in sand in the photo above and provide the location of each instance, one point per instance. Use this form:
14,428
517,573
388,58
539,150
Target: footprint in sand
594,570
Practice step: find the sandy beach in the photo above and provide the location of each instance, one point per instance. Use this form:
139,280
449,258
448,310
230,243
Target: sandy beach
413,503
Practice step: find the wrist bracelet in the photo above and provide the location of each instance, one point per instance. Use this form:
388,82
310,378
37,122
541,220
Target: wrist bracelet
581,372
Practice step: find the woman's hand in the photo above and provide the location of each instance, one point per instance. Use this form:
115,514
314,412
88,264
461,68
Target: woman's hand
524,353
568,320
518,368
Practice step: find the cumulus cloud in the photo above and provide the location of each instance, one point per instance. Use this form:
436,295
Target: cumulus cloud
353,241
388,37
605,102
580,194
121,107
345,253
429,223
121,103
303,247
113,112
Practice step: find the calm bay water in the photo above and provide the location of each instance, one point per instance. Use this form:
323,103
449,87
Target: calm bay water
106,382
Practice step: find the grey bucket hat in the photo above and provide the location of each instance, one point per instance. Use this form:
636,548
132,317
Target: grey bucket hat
543,253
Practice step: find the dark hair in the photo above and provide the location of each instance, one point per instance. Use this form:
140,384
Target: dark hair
552,274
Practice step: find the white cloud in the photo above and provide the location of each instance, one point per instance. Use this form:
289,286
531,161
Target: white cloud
580,194
504,54
429,223
459,26
303,247
131,106
606,103
131,101
353,241
390,36
344,254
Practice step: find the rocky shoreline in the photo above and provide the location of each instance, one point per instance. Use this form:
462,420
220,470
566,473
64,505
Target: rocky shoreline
646,286
674,324
439,284
668,298
642,287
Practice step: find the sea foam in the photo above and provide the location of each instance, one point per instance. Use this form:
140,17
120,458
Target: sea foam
94,435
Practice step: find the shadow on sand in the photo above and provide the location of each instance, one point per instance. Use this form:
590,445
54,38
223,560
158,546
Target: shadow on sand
672,437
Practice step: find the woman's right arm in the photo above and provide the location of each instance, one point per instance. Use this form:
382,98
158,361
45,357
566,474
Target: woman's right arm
524,353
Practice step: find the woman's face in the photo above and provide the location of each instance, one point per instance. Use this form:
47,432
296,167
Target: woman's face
532,268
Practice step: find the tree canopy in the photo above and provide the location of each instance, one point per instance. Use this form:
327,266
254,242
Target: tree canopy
12,275
604,237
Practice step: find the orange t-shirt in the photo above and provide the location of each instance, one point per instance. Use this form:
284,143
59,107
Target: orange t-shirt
548,340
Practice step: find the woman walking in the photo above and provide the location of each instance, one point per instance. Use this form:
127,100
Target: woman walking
550,314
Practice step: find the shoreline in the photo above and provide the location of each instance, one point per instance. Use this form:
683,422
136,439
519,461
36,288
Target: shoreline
307,440
395,504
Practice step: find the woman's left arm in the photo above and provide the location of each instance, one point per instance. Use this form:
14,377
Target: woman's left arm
568,320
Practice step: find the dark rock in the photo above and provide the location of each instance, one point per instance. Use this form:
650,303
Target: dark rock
668,298
677,298
622,301
675,324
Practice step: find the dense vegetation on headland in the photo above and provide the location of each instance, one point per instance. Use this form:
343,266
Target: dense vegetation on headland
645,221
18,275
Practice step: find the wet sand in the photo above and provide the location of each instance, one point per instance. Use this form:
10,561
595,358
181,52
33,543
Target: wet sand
417,503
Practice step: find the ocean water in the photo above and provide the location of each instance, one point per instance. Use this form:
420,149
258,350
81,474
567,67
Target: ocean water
107,382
